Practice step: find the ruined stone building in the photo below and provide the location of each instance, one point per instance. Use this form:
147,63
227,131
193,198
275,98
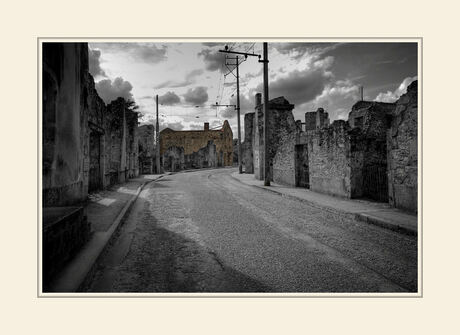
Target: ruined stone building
147,154
79,136
191,149
373,155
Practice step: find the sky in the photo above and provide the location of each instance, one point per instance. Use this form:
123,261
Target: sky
190,78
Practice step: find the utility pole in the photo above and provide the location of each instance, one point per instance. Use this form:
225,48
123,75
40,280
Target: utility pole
157,137
237,107
266,111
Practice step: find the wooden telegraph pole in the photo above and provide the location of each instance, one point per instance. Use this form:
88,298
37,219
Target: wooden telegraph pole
266,111
157,137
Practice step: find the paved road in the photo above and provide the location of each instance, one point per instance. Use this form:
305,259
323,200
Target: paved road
204,231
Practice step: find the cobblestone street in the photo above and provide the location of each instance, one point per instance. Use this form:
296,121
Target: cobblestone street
204,231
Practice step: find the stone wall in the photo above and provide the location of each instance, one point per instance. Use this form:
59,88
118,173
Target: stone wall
284,164
403,152
329,160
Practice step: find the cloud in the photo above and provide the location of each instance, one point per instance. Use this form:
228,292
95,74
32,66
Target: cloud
213,44
336,98
190,78
213,60
299,49
299,87
144,52
169,99
110,91
172,125
94,59
228,113
393,96
197,95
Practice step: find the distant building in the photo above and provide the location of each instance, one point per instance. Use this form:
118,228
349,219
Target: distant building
191,149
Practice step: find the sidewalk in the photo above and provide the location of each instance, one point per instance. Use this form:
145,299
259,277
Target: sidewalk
105,210
380,214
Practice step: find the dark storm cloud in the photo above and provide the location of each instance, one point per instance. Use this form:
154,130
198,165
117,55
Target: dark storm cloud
228,113
169,99
94,59
190,78
299,86
145,52
213,59
197,95
110,91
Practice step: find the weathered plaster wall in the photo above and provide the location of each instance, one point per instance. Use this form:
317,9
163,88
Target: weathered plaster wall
403,152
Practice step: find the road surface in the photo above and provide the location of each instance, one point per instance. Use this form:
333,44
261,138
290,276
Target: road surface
204,231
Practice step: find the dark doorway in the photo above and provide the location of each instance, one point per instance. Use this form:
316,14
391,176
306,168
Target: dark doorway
302,177
95,180
375,183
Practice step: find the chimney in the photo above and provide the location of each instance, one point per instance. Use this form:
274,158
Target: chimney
206,126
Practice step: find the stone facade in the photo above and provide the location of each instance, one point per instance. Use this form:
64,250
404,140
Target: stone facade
403,152
217,147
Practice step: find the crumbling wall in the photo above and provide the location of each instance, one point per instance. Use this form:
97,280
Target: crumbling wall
284,164
403,152
204,158
329,160
174,159
368,150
